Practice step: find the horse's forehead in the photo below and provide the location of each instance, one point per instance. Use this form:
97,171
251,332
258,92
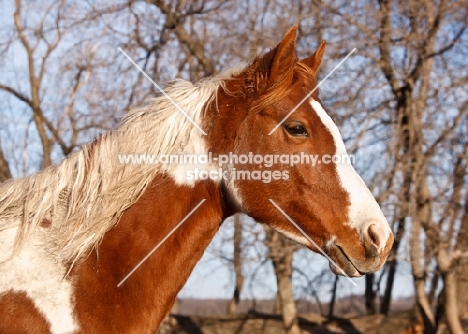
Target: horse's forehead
330,125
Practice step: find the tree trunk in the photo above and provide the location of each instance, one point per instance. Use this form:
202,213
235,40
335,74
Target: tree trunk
281,254
421,216
331,309
369,295
5,173
450,309
283,271
277,309
392,265
234,303
462,271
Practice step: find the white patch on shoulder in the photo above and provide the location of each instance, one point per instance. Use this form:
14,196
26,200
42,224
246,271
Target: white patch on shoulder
189,139
35,272
364,207
197,163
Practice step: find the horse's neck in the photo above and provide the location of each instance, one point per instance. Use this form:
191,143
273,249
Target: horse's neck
149,292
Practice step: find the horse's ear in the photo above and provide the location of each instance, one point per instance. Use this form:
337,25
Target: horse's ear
285,56
313,62
275,67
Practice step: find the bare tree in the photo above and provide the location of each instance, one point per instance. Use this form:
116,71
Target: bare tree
62,77
5,173
237,262
281,252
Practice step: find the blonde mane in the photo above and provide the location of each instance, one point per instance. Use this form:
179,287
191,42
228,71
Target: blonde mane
84,196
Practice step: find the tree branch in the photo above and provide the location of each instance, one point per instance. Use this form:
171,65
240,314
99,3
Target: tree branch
173,21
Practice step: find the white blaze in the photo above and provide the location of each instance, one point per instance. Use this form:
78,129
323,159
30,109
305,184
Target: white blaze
363,208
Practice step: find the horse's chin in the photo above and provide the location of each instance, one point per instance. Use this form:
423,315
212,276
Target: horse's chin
349,270
345,265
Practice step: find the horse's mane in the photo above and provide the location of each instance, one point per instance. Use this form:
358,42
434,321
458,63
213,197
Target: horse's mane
85,195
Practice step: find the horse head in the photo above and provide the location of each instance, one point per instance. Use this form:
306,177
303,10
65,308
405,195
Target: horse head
267,117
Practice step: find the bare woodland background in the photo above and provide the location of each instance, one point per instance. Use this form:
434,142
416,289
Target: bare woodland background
401,102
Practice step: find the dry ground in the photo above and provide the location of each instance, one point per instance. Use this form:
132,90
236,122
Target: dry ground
271,324
402,322
192,316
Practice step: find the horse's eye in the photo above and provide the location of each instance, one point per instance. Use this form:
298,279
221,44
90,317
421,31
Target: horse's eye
297,130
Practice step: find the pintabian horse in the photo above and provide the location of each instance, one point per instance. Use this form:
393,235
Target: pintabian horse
71,233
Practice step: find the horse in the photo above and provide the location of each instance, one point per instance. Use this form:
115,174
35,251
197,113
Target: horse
71,234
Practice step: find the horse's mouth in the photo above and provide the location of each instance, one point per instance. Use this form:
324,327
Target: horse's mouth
343,265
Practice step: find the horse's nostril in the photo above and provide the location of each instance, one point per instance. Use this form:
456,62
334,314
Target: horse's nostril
376,237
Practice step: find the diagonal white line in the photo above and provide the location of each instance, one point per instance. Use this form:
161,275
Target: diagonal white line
310,239
312,91
162,91
161,242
